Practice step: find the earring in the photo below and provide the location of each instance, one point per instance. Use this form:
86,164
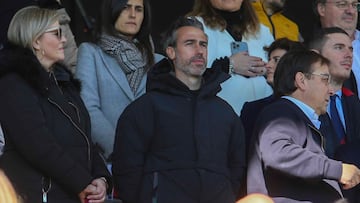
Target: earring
43,52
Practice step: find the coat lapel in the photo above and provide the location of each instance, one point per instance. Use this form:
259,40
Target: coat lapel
117,75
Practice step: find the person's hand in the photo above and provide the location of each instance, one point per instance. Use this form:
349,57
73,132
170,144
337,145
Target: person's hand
99,194
246,65
88,190
350,176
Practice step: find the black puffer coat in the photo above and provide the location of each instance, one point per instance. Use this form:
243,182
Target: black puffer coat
175,145
47,130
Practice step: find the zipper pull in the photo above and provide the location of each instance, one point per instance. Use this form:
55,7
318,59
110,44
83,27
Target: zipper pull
44,197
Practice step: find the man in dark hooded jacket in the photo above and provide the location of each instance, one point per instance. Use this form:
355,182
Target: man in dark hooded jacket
180,142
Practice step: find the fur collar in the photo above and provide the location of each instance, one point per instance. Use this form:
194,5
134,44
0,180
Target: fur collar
22,61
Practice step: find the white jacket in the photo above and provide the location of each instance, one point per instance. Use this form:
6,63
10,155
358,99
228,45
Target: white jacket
238,89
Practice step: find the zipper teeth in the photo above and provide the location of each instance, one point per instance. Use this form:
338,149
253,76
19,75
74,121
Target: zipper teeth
74,124
48,189
77,111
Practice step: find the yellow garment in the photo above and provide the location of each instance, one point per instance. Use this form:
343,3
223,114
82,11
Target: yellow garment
277,23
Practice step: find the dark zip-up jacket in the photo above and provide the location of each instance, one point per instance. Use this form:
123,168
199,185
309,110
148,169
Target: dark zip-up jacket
47,130
176,145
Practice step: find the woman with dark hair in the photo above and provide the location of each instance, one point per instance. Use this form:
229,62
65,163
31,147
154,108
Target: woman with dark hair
113,70
48,155
235,22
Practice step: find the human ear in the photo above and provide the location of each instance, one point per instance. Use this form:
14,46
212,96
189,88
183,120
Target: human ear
300,80
320,9
170,52
36,44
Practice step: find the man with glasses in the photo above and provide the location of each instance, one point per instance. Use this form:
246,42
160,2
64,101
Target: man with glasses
343,14
288,161
335,44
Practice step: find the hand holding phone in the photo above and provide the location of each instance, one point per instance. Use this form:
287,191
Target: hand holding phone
243,64
237,46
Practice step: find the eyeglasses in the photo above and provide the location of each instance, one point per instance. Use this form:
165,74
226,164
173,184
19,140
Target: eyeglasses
345,4
56,30
323,76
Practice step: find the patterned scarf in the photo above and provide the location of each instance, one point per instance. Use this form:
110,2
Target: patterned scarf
129,57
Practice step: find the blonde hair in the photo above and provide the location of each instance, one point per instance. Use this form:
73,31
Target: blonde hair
7,192
28,24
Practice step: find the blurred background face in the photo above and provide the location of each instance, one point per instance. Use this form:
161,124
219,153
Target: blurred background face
130,19
276,5
339,13
273,60
227,5
338,49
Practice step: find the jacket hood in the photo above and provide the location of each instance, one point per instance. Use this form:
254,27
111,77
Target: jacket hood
162,78
22,61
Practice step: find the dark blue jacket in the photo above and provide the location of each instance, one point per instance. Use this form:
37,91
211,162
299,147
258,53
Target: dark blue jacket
351,109
351,84
349,152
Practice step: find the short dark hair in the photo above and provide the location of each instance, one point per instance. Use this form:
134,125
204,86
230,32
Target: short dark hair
289,65
319,38
285,44
170,35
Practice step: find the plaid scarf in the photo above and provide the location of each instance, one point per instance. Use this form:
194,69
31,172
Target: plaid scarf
129,57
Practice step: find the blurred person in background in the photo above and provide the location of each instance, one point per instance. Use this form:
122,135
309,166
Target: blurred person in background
270,14
343,14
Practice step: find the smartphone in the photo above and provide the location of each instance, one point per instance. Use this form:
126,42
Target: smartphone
237,46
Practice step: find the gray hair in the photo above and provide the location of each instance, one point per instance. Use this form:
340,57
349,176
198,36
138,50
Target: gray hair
28,24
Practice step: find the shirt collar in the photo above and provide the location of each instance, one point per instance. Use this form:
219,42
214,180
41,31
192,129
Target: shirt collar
308,111
338,93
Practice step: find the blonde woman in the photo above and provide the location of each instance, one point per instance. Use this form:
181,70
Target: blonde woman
49,155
